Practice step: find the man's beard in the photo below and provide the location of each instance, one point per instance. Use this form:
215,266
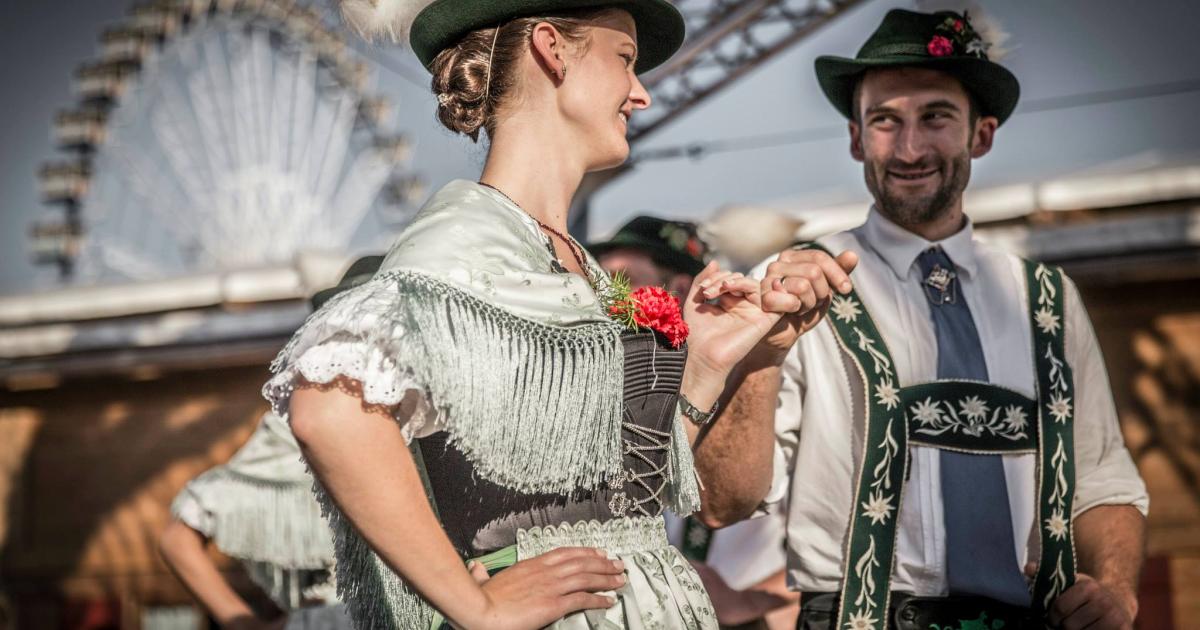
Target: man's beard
913,209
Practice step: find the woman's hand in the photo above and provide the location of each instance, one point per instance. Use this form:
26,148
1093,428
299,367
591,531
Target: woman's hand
724,314
536,592
725,317
359,455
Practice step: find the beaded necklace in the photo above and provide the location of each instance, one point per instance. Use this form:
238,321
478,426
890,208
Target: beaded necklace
575,249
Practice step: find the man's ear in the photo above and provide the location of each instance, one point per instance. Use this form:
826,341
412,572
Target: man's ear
548,48
984,133
856,149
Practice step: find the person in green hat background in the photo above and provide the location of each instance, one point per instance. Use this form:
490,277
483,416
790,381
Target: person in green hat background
655,252
258,507
946,437
463,411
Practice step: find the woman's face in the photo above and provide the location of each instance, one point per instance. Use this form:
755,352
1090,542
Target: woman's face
600,91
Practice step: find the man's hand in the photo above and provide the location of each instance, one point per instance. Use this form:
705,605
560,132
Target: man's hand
801,284
1090,604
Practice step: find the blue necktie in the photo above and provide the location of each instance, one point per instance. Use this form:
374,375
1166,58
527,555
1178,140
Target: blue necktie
979,534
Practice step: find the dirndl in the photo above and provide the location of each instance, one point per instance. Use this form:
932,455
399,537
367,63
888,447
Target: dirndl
662,590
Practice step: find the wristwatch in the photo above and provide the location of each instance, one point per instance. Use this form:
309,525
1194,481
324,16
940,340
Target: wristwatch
699,418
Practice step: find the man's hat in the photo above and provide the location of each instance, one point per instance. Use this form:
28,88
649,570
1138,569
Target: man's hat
943,41
660,27
673,245
359,272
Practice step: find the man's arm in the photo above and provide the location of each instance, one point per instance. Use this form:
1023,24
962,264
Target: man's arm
1110,498
735,454
1110,541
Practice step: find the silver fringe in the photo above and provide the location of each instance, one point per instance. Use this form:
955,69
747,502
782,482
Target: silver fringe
683,488
534,407
374,595
262,521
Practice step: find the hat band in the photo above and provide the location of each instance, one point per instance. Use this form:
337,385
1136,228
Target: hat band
888,50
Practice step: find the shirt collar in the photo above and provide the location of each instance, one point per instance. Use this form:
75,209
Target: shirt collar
900,248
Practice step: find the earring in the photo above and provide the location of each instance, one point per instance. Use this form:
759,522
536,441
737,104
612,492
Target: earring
563,74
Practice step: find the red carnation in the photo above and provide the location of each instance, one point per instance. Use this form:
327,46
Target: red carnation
659,310
940,46
958,26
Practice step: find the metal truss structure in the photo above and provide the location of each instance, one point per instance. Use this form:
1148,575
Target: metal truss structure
727,39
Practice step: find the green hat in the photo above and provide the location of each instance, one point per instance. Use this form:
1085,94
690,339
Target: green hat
440,25
943,41
674,245
359,272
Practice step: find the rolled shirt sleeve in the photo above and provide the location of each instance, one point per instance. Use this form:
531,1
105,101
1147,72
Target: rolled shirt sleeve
1104,471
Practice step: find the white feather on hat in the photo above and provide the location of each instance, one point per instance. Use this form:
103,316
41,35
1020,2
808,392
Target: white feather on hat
373,19
744,235
989,29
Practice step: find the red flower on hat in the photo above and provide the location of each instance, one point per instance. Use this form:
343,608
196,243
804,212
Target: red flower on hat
940,46
958,26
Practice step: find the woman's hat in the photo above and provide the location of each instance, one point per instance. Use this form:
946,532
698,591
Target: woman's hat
944,41
660,27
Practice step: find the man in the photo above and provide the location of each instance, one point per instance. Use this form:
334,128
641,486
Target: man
741,567
946,436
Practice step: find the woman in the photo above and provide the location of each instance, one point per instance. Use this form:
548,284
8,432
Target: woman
483,345
257,508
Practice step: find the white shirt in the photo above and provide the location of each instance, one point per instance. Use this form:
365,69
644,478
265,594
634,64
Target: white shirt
819,416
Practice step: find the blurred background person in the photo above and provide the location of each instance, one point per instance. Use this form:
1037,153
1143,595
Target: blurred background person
742,566
259,508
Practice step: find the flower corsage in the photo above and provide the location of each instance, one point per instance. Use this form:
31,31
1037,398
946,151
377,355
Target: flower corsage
648,308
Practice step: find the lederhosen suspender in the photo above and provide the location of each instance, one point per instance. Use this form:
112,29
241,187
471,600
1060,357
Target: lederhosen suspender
967,416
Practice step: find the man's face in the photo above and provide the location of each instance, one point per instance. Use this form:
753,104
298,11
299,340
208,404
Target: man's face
639,267
915,138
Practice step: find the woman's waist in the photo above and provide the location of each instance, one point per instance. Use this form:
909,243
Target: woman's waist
617,536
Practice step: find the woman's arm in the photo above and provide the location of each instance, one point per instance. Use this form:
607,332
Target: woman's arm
359,455
183,549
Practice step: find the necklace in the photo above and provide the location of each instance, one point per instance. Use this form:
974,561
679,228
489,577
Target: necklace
576,250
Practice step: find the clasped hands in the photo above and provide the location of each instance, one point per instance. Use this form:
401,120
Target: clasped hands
736,319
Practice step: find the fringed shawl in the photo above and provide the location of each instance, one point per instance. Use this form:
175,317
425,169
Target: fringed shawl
259,508
517,363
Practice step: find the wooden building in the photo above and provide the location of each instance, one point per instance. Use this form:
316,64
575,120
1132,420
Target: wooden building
111,399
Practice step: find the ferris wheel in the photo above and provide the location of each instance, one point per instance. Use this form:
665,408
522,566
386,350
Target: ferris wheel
219,134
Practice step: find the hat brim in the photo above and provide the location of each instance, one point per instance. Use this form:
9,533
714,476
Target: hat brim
993,86
660,27
677,262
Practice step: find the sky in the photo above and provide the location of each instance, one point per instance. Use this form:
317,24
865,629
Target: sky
1106,84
